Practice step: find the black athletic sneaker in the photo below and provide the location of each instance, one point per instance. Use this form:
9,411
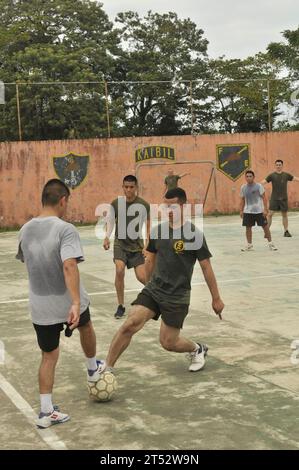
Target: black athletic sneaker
119,312
287,234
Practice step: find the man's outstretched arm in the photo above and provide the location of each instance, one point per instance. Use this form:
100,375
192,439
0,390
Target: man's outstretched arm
184,174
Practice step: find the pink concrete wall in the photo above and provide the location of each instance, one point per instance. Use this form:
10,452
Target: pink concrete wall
26,166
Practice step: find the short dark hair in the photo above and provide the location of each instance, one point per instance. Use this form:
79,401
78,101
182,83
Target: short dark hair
176,192
278,160
53,191
249,171
131,179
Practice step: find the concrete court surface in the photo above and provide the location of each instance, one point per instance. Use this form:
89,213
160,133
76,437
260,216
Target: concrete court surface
247,396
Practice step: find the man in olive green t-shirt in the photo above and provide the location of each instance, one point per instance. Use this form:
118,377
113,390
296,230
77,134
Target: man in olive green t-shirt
279,196
171,180
173,249
128,248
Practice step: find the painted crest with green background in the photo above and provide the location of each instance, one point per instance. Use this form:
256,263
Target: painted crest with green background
71,168
233,160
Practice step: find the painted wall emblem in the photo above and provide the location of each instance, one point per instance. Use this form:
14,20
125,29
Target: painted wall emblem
233,160
71,168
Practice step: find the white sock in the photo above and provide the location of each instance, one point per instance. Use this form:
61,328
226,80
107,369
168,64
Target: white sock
196,347
46,405
91,363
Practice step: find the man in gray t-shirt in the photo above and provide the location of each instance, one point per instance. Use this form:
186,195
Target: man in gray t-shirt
45,244
253,210
51,249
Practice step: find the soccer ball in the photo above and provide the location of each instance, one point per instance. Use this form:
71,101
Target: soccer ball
104,389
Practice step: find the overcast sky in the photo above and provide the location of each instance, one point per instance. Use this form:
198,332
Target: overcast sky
234,28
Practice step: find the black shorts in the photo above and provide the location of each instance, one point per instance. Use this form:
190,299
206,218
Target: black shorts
278,205
48,335
172,314
132,259
249,220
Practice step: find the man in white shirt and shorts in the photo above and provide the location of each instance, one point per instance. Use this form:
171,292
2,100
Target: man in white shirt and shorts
253,210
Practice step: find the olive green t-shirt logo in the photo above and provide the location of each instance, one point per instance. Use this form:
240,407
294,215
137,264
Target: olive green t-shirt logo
179,246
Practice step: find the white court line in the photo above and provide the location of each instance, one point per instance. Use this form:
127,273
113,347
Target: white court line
14,301
47,435
202,283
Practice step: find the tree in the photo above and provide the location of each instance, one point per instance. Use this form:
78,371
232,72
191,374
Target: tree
55,41
245,94
160,80
159,51
287,53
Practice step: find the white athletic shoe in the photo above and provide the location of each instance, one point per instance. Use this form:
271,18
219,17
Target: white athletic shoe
198,358
94,375
45,420
248,247
272,247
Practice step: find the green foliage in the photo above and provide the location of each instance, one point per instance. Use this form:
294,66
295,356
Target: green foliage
163,50
287,53
245,93
55,41
179,90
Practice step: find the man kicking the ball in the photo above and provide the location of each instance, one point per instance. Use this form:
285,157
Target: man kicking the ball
170,263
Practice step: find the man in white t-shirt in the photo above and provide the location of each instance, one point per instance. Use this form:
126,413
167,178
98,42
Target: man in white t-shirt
51,249
253,210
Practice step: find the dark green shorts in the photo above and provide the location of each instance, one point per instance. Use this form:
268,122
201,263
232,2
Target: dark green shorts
131,259
172,314
279,205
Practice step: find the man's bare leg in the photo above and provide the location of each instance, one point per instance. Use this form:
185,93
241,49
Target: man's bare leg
140,273
249,235
270,215
135,322
120,280
285,221
171,340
